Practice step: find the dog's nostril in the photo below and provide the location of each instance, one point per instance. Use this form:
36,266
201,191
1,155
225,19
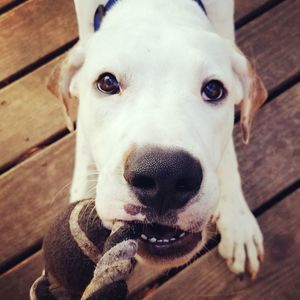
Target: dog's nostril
143,182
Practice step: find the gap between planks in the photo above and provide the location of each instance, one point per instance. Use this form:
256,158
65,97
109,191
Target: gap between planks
6,5
257,11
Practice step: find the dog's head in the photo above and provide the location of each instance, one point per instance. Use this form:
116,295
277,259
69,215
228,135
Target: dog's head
157,102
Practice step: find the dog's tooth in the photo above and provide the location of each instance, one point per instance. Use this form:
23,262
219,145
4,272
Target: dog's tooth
172,239
144,237
159,241
166,241
182,235
153,240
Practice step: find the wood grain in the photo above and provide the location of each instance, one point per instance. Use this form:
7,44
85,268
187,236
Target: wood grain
272,159
31,115
34,213
31,194
209,277
266,40
15,284
33,30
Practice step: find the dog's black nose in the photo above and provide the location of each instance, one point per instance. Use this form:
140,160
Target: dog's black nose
163,179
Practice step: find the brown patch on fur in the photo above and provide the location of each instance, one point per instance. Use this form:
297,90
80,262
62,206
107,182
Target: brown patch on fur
132,210
61,77
58,84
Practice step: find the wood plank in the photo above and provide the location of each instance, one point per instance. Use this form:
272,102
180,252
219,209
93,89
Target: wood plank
59,161
275,144
266,40
39,27
31,194
15,284
25,106
28,101
209,277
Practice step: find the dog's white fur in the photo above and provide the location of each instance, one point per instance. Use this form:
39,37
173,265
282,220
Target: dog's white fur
162,51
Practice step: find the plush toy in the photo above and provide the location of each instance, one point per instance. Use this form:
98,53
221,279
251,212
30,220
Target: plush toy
84,260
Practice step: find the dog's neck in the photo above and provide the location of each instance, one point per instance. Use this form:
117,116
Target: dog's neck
102,10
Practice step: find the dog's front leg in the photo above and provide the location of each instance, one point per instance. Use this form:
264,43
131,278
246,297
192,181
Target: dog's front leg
241,239
85,174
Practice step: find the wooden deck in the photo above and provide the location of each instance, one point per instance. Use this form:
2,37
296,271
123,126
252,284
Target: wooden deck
36,153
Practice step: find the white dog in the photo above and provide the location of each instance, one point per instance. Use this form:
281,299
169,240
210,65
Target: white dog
157,84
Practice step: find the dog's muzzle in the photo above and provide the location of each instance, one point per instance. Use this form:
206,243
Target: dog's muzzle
163,179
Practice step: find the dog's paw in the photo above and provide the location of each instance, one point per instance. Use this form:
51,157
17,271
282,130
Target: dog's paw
241,239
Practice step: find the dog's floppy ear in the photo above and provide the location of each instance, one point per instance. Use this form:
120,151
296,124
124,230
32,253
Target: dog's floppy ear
254,92
60,83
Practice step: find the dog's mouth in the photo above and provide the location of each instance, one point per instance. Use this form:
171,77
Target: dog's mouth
163,242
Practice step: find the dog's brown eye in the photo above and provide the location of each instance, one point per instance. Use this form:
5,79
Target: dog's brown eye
108,84
213,91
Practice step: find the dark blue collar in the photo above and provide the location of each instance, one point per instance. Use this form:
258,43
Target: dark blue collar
201,5
103,9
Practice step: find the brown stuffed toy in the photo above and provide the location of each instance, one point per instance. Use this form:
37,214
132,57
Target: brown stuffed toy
84,260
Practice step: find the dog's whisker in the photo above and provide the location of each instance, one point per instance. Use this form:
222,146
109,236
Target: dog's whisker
95,216
92,191
88,219
93,174
86,208
55,196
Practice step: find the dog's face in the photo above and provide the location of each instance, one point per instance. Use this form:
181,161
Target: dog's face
157,113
